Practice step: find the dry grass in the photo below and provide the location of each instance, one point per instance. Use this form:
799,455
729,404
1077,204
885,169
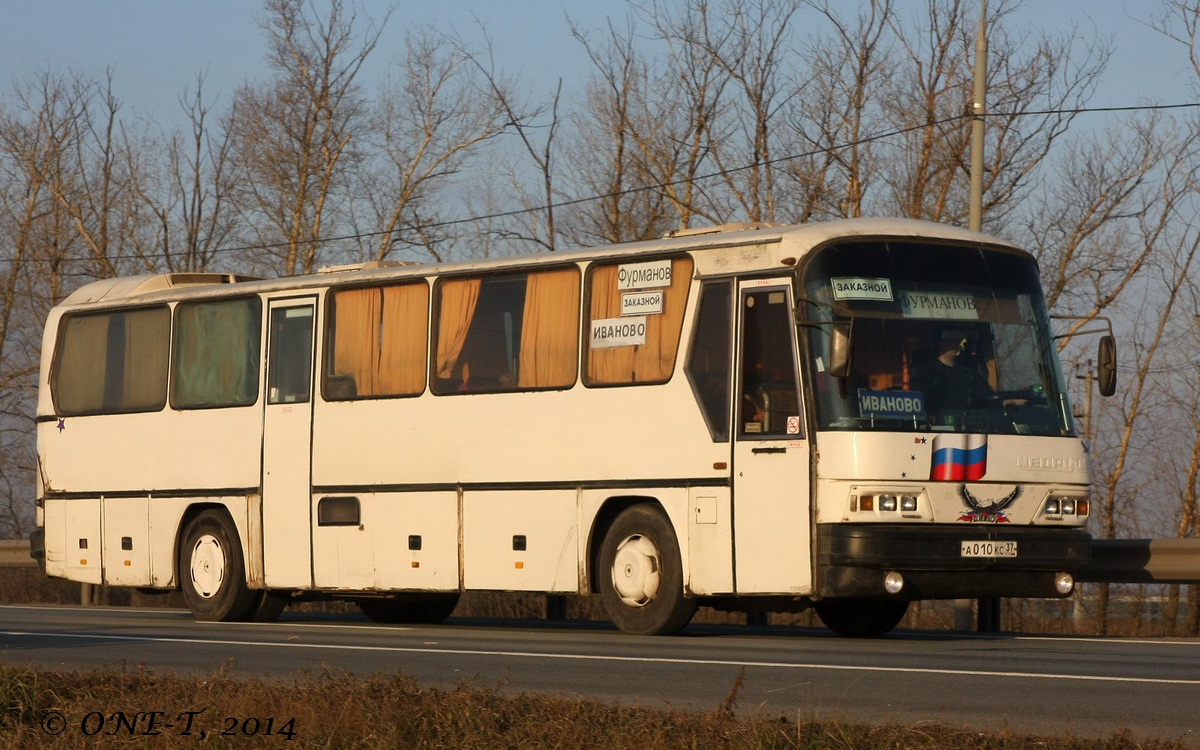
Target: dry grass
98,709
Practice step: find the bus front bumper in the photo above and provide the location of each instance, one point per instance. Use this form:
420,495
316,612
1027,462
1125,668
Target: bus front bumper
944,562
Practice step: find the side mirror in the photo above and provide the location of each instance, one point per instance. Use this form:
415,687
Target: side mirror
841,348
1106,366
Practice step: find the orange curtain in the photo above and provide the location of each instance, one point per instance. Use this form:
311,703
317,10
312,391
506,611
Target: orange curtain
654,360
456,306
550,330
607,365
404,332
380,336
356,337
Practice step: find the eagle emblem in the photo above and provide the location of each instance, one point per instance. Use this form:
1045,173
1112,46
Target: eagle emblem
981,511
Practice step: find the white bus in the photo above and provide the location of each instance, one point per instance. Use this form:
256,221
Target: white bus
747,417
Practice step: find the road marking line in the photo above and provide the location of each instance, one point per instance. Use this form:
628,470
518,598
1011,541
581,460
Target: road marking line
585,657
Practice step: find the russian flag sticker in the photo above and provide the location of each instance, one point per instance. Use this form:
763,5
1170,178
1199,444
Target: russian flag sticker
959,458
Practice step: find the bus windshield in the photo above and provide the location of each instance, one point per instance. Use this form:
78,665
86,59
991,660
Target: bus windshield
943,338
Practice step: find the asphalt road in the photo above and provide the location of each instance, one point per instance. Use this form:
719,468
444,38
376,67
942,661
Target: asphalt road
1046,685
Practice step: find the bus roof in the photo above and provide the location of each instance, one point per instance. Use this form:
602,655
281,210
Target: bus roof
791,241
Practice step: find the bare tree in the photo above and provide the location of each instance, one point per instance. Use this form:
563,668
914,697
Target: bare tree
186,190
1034,92
41,137
731,58
1083,232
434,113
293,136
1179,23
621,160
848,71
536,127
89,173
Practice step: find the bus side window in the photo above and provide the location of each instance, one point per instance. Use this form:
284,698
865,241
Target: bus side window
378,339
113,362
508,332
709,365
625,348
216,353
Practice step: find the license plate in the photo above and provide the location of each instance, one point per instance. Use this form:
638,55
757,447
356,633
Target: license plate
989,549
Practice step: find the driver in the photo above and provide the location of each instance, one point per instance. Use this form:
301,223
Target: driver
948,383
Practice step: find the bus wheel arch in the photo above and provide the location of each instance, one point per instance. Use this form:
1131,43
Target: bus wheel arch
639,572
211,567
603,521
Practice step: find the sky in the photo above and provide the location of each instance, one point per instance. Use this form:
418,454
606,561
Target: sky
156,48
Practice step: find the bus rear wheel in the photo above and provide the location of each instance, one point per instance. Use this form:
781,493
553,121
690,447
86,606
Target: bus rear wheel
425,609
267,606
211,570
861,618
641,574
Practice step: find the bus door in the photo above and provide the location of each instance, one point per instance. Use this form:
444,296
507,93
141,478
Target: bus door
772,508
287,444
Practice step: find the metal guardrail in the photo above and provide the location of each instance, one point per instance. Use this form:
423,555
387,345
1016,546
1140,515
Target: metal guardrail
14,553
1113,560
1143,561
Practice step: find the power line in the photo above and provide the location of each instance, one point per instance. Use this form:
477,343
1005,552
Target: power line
683,180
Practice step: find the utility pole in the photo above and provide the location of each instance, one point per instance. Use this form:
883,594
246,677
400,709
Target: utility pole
988,616
978,110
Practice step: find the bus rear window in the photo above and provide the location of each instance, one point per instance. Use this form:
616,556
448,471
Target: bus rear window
110,363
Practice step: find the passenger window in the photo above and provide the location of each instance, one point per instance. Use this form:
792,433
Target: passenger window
111,363
510,332
217,354
635,319
709,363
378,342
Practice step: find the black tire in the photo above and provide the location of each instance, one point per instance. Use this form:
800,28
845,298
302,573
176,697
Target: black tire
641,574
861,618
424,609
268,605
212,574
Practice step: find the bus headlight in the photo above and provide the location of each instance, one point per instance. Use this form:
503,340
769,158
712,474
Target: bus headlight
1064,583
887,503
893,582
1060,506
908,503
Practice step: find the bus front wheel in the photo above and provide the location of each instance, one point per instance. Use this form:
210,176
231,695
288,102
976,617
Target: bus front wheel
861,618
211,571
641,574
